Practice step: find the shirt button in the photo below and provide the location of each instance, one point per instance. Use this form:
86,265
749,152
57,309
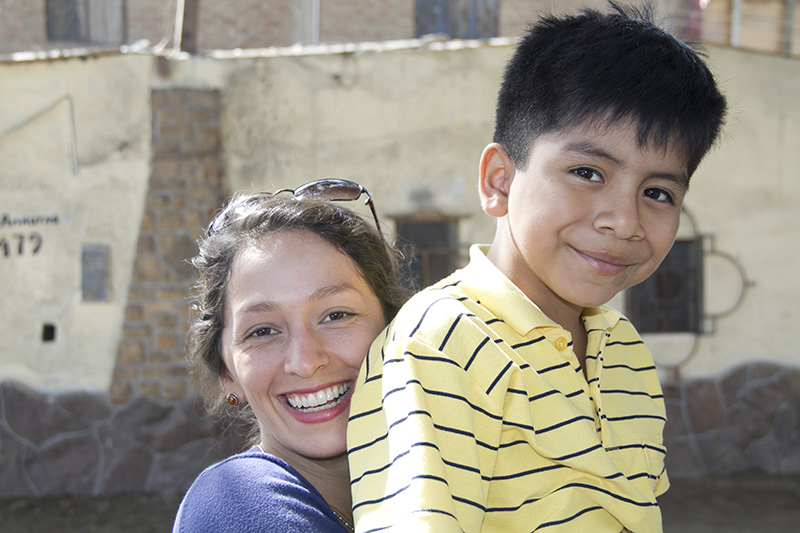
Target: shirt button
561,344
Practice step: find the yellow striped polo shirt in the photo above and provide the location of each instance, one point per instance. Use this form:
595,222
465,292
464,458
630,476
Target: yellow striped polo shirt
471,413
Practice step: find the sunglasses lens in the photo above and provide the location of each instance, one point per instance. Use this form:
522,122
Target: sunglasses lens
329,190
326,189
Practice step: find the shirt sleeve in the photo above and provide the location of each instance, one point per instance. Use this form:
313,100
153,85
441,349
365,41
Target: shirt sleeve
249,495
423,434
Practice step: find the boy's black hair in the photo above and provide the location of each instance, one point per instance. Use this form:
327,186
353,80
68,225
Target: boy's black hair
610,67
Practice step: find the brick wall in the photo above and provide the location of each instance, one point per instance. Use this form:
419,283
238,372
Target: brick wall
22,25
263,23
366,20
150,19
246,24
516,15
185,189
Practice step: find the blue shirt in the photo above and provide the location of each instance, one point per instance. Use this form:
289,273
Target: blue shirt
253,492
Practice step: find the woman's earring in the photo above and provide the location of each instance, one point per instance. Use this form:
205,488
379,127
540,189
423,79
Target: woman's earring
232,399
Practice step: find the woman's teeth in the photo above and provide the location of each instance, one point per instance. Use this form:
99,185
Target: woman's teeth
319,400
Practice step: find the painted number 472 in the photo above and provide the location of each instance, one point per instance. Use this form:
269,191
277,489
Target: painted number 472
20,244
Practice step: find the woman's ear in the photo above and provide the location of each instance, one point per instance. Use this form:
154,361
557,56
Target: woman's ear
496,173
228,385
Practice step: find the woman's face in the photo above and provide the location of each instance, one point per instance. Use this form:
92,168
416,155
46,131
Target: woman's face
299,320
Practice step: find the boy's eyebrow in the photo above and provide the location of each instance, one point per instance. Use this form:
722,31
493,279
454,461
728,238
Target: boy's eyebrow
591,149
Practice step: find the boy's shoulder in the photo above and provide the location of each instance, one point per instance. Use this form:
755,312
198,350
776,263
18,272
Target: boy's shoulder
437,303
441,323
467,304
440,306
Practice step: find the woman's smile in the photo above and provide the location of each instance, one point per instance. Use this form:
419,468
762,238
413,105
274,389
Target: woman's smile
320,400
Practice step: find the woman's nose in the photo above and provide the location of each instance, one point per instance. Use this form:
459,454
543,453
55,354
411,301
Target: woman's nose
305,354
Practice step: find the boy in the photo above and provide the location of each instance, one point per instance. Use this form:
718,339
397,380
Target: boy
508,397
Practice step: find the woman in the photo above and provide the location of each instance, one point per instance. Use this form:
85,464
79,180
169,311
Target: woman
291,293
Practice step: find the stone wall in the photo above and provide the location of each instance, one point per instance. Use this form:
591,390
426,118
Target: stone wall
81,443
747,420
184,191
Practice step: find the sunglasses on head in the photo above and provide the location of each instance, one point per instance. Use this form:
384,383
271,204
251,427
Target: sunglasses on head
332,189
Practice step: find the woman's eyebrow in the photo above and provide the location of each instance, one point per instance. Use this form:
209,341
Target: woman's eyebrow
258,307
319,294
330,290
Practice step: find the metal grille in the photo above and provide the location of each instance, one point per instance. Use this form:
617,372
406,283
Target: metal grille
671,300
431,248
459,19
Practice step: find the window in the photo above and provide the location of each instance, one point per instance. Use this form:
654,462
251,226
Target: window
671,300
86,21
95,273
431,247
459,19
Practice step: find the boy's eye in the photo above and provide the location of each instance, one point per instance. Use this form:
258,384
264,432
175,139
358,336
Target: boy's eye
659,195
588,174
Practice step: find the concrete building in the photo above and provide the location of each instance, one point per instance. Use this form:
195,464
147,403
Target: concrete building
25,25
113,161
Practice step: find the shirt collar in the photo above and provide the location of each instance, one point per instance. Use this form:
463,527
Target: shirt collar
499,294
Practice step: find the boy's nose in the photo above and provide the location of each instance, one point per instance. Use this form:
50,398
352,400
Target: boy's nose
621,216
305,354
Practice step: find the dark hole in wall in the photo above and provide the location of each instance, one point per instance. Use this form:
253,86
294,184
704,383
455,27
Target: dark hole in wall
48,332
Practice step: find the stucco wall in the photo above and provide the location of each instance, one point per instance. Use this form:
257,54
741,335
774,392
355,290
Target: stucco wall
743,197
407,121
407,124
410,125
75,150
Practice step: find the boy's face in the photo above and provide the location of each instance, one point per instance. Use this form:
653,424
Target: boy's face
592,214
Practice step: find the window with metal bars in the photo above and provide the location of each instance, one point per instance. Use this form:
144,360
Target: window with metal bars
86,21
671,300
459,19
431,247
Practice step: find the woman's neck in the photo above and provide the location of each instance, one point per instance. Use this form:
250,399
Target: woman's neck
331,477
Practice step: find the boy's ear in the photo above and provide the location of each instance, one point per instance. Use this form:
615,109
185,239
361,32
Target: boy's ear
496,173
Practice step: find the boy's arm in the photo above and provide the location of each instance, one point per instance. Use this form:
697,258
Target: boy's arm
422,439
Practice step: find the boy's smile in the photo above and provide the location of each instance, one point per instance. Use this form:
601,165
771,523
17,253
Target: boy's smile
591,215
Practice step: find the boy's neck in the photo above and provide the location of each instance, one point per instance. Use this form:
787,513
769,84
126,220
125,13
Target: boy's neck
560,311
565,314
579,343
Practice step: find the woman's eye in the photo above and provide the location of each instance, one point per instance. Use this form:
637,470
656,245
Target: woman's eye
659,195
336,315
588,174
262,332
